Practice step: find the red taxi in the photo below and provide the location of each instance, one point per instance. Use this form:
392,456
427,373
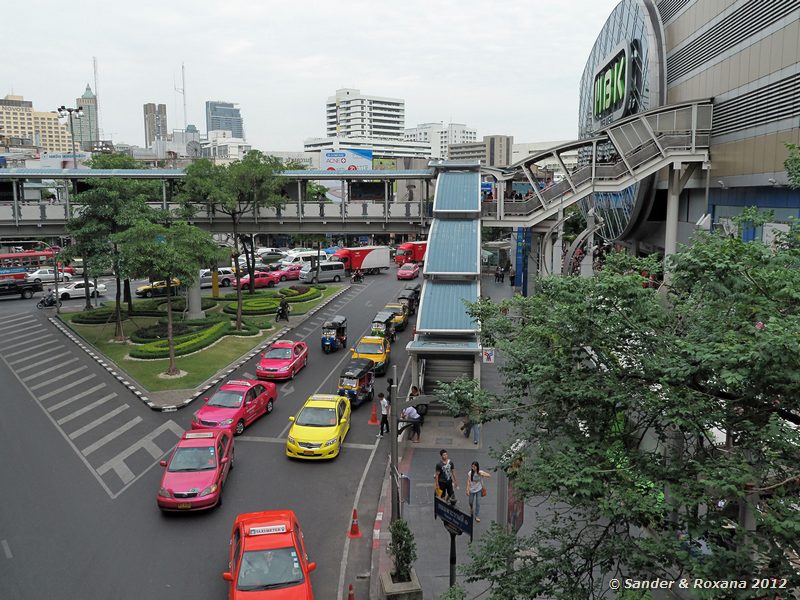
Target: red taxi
408,271
283,360
235,405
196,472
289,272
262,279
268,558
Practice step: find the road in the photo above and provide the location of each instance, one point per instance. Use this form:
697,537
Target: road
79,518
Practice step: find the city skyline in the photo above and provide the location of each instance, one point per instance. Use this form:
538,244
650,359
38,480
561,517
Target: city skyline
513,71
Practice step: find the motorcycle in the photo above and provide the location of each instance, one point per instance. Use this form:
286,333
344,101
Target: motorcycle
47,303
282,313
358,277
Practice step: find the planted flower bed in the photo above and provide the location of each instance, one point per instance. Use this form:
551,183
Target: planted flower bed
190,342
267,303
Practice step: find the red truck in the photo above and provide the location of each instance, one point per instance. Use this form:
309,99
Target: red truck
411,252
369,259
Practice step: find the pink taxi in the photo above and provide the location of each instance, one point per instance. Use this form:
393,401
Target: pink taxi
235,405
283,360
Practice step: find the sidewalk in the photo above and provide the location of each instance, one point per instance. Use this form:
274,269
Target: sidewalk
418,462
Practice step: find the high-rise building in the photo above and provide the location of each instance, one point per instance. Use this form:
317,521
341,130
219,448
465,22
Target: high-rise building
18,119
493,151
86,127
351,114
224,116
440,136
155,123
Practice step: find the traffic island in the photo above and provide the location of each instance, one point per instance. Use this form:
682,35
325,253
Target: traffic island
404,590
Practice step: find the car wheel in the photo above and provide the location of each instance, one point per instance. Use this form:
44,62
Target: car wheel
239,428
305,362
37,280
219,498
292,376
148,294
270,284
226,283
65,296
232,457
269,406
283,277
27,294
337,279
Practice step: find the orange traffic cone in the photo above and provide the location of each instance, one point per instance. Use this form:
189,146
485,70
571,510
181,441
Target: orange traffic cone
351,595
355,532
373,418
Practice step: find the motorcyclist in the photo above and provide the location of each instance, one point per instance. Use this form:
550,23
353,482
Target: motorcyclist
358,276
50,299
283,310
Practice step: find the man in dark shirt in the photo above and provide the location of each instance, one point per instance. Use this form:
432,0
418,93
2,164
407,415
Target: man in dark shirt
445,477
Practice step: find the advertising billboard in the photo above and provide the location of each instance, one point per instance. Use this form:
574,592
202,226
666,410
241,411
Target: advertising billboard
346,160
60,160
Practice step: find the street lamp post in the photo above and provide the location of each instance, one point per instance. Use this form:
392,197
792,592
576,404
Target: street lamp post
63,112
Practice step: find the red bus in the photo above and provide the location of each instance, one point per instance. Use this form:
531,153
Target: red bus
15,265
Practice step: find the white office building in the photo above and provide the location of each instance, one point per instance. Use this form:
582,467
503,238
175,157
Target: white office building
440,136
380,148
570,159
349,113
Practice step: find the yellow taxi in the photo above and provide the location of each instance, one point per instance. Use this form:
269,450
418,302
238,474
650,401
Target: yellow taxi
157,288
400,319
375,348
320,427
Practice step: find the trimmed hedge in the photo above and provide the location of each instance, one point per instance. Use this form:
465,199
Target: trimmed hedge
265,305
179,304
192,342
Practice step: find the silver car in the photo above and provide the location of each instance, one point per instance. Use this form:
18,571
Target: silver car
46,275
226,277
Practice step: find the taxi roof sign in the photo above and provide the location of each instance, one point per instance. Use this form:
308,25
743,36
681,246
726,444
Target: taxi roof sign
267,530
194,435
283,342
237,382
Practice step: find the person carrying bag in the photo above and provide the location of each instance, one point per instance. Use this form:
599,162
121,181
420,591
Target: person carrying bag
476,489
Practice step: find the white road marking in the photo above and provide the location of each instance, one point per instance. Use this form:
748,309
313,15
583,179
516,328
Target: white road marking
29,348
57,378
82,411
26,334
255,438
287,388
118,462
30,356
18,325
6,549
53,368
66,387
111,436
42,362
248,376
63,403
100,420
15,317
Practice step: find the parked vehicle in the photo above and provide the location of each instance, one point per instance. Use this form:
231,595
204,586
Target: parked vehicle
262,279
78,290
25,289
306,256
225,277
334,334
288,272
157,288
411,252
370,259
47,275
357,381
326,271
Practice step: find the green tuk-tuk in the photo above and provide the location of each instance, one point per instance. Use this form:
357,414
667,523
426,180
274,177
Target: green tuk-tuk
383,325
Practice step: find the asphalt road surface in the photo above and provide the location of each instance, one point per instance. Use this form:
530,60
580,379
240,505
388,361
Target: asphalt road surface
80,471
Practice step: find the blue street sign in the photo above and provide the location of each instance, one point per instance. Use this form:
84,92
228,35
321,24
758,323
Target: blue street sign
12,270
452,516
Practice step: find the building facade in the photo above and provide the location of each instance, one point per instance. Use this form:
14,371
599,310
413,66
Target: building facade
349,113
570,159
381,148
440,137
493,151
745,54
18,119
155,123
86,128
221,146
224,116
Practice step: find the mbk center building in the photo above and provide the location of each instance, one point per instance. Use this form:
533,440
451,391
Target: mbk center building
742,54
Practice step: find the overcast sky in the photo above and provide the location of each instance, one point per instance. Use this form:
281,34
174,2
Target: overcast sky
506,67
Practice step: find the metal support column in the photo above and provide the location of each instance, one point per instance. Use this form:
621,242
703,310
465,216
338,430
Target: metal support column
386,201
164,194
300,200
671,225
195,304
15,190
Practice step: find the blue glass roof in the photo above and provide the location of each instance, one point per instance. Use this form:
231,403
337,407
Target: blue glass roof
453,246
360,174
442,307
177,173
443,344
458,192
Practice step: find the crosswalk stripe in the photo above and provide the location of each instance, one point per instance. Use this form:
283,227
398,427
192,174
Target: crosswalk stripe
18,325
42,362
29,348
85,409
99,420
69,386
17,317
26,334
114,434
30,356
53,368
84,393
118,462
58,378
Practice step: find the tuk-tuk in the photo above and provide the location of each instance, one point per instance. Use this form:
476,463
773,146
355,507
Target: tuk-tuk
414,290
357,380
408,300
334,334
383,326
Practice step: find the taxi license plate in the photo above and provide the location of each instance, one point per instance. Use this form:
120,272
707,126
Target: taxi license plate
184,505
308,452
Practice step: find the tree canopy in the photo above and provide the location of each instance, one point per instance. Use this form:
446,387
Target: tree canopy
657,431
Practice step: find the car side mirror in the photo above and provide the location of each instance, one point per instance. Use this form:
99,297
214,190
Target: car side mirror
352,349
163,463
312,566
227,576
205,399
342,421
291,419
224,460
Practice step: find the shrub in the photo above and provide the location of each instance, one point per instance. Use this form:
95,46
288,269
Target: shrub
403,549
192,342
158,331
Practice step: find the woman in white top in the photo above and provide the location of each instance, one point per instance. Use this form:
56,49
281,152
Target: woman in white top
474,487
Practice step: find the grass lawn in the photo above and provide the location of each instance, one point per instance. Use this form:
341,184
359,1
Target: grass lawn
199,366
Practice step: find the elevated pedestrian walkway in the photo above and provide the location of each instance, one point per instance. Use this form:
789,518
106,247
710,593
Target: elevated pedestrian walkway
620,155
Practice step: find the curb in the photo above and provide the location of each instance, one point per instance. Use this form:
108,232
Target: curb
112,368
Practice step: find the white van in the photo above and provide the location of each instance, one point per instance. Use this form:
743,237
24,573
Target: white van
307,256
329,270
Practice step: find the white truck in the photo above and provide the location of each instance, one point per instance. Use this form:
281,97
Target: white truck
369,259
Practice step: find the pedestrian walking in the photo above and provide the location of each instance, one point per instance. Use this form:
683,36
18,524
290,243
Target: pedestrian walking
385,408
444,477
475,488
511,274
498,275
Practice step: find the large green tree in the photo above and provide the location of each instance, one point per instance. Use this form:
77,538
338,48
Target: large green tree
234,190
655,431
160,251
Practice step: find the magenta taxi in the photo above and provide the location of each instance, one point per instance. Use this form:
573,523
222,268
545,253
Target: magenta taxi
283,360
235,405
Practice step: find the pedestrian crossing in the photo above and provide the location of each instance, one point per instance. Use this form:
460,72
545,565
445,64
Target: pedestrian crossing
117,440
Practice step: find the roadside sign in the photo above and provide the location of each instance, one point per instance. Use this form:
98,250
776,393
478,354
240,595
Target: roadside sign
452,516
488,355
12,270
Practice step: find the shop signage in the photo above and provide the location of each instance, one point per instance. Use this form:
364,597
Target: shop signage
611,86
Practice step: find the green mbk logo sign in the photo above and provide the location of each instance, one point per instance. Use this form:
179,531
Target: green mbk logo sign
610,86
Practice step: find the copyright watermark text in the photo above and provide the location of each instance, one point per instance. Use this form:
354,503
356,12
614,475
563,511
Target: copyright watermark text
762,583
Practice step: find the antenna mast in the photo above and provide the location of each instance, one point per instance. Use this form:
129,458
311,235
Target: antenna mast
97,100
182,92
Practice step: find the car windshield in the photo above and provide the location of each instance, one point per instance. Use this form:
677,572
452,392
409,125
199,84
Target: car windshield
395,309
315,416
269,569
348,382
226,399
407,267
193,459
369,348
279,353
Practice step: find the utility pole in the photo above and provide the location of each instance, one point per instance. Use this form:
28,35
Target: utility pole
395,474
